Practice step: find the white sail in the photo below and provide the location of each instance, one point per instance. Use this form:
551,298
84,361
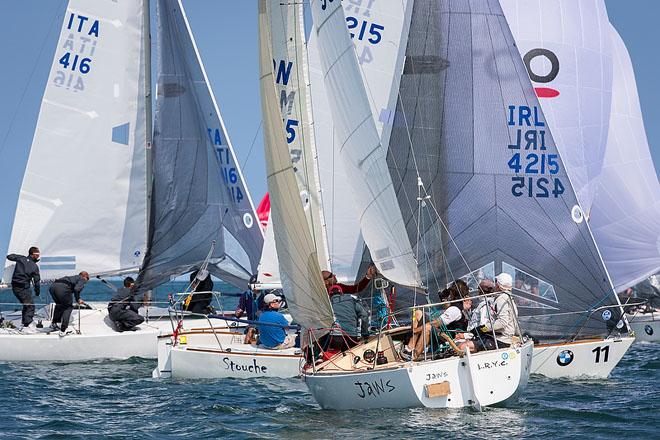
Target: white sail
565,45
298,261
379,63
363,156
290,66
626,211
268,270
83,197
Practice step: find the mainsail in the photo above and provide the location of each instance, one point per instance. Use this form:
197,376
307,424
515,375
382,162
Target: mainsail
287,41
83,198
472,152
199,195
359,146
565,46
298,260
626,211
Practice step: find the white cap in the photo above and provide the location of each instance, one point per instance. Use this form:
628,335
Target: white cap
269,298
504,280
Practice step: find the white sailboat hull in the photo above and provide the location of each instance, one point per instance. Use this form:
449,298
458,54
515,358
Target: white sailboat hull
482,379
591,359
199,355
646,326
97,338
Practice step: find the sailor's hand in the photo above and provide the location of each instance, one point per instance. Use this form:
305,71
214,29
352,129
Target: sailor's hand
371,272
80,301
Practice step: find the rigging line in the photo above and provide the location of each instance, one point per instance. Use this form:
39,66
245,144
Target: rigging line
254,139
34,68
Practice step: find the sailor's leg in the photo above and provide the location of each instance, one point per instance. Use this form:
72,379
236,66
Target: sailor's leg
132,319
24,295
67,306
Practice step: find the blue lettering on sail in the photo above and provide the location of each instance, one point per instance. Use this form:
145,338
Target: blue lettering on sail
533,163
76,60
228,170
283,71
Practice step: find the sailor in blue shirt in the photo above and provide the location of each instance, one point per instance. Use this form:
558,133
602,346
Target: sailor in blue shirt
274,336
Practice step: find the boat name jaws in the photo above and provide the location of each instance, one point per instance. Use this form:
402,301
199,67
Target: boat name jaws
254,368
374,389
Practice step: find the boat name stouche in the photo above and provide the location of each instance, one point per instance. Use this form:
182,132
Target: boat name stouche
531,135
374,388
78,52
234,366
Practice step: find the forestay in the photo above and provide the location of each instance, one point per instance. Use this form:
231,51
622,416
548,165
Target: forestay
359,147
83,195
565,46
199,194
468,127
300,272
625,213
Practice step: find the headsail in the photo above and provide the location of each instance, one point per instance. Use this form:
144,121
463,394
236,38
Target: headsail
83,196
566,49
359,145
291,81
298,261
199,194
626,211
470,137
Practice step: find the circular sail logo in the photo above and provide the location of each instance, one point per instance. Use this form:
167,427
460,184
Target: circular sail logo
565,358
248,221
607,314
542,77
648,329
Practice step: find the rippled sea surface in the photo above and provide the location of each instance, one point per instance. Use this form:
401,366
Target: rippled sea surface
119,399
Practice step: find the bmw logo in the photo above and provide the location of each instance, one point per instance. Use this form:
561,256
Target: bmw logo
607,314
648,329
565,358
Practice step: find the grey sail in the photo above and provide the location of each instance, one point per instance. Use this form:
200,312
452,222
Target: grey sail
478,177
199,195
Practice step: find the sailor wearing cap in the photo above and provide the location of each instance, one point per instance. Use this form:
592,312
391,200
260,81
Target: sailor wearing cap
271,325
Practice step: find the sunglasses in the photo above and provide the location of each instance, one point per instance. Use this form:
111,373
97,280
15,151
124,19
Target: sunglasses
329,276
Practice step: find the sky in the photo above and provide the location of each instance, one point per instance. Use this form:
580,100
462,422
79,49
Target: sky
226,35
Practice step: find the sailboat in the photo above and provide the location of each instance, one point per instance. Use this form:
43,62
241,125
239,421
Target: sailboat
389,220
96,109
580,67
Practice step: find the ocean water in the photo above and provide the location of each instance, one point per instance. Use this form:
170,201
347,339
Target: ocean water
119,399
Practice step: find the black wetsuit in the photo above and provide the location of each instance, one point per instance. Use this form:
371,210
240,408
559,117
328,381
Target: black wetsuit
26,273
201,301
63,290
123,310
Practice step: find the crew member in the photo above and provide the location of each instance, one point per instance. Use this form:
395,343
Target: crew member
63,291
331,280
203,294
271,325
123,309
26,273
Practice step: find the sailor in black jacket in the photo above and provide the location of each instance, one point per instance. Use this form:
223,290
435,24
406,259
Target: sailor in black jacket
26,273
63,290
123,309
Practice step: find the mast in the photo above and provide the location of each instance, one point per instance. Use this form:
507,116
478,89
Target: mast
146,43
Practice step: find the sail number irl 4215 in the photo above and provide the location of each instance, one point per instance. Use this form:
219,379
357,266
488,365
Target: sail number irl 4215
529,156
